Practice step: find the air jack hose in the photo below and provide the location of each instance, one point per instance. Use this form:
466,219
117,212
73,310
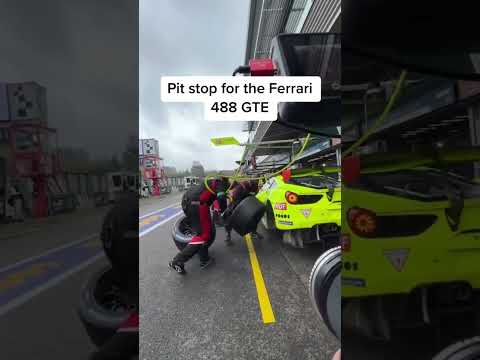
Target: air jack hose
237,177
382,117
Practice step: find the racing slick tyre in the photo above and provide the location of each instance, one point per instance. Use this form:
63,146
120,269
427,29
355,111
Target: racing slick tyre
247,215
325,289
463,350
104,305
182,233
119,234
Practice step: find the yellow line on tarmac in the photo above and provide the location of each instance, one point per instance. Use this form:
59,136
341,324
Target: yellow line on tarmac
19,277
263,299
149,220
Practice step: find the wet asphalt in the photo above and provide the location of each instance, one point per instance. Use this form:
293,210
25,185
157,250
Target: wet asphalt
214,313
45,324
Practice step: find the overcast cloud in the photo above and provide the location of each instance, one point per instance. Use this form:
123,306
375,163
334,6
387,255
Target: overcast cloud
85,54
189,37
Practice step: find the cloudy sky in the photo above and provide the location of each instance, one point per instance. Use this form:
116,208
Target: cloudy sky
189,37
86,54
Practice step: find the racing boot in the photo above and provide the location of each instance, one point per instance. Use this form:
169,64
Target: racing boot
256,236
205,263
178,267
228,239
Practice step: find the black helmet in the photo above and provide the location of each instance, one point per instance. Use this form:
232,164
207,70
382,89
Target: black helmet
254,185
223,184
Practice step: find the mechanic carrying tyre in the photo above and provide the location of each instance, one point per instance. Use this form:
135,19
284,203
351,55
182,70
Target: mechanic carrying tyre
239,191
196,203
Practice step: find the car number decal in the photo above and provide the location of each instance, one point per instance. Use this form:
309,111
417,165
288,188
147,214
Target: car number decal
397,257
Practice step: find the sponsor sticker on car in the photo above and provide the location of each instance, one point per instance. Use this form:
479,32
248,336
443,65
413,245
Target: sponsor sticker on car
353,282
281,206
286,222
397,257
306,212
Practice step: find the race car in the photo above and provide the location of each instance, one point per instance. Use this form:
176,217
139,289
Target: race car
410,251
305,206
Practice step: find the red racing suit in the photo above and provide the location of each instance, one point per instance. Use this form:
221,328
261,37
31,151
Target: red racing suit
196,203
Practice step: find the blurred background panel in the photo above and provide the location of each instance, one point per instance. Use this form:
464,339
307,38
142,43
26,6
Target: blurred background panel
68,152
410,206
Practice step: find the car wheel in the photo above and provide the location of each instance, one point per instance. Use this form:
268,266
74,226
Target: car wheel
268,219
264,221
104,306
463,350
325,289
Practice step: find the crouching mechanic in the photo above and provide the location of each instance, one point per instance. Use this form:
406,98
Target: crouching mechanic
196,203
239,191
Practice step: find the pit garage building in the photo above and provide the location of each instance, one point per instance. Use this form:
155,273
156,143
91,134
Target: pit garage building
269,18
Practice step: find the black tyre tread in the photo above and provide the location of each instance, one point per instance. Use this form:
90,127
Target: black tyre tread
121,218
270,217
246,215
180,243
462,348
318,262
99,323
328,258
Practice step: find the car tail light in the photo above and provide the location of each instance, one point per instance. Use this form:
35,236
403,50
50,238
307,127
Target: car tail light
362,222
291,197
345,242
365,223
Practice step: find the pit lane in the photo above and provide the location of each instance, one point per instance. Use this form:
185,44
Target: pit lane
215,313
43,265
